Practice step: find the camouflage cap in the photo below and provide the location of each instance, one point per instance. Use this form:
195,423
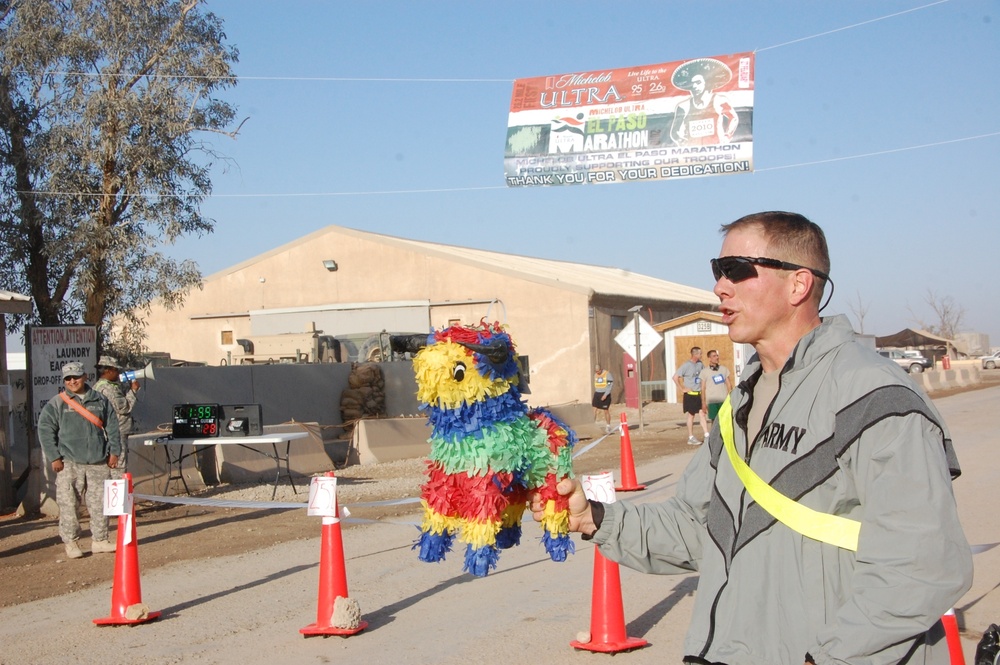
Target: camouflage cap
108,361
73,369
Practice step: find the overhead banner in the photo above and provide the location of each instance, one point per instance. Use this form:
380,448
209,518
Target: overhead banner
681,119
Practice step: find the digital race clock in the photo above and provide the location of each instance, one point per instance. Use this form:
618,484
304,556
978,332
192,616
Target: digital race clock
192,421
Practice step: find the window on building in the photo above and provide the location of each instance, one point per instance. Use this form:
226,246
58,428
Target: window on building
617,323
227,336
454,322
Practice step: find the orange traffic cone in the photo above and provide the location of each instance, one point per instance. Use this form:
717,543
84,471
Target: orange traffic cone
607,614
333,586
951,635
126,594
628,465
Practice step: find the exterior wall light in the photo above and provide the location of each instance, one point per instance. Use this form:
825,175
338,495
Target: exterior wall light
330,265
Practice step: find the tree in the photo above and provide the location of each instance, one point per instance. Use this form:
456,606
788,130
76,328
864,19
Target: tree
104,109
950,316
859,310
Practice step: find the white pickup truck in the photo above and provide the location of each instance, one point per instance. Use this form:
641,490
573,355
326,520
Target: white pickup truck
991,362
912,361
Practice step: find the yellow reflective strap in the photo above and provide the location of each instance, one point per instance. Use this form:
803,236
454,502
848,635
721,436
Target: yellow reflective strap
824,527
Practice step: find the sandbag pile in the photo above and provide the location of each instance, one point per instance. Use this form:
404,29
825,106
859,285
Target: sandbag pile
364,397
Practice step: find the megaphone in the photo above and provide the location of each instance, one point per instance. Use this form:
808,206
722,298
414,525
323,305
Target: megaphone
128,376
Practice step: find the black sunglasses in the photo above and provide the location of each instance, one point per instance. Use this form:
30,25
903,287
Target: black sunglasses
71,378
740,268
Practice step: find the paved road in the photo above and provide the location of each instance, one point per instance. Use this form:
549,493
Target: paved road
249,608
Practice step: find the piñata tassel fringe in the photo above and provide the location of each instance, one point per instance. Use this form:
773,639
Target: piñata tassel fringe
433,546
480,561
558,547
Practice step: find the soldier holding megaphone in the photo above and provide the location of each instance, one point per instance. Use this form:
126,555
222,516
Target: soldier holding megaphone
122,397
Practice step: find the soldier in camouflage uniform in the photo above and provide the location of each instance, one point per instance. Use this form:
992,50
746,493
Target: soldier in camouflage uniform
122,401
78,430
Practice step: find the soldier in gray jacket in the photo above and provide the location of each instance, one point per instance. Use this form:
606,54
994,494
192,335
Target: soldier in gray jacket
831,426
78,430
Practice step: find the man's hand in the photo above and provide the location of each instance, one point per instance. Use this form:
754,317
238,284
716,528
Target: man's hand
58,465
112,461
134,385
580,518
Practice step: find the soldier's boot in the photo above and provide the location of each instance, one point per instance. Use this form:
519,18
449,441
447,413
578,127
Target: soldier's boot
73,550
102,547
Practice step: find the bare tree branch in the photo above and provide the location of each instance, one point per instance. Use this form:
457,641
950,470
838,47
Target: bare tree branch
949,315
859,310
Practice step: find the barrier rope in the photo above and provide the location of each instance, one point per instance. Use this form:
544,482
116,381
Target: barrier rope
271,505
346,513
292,505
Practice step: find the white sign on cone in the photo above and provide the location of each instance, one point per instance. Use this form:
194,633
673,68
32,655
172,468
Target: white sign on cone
323,497
599,487
117,500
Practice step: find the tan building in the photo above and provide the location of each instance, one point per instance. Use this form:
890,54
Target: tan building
349,285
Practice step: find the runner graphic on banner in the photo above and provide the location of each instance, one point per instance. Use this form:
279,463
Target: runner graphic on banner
656,122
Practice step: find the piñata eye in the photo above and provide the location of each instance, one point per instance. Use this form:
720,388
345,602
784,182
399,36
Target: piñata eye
459,372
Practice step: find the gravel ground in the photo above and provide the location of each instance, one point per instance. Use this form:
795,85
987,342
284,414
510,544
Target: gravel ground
355,484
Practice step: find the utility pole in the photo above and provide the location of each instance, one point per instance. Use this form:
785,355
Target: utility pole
638,361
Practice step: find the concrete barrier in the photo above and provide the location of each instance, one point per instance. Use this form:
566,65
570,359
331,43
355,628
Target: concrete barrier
214,462
949,377
962,375
391,439
306,457
575,415
931,381
150,469
943,381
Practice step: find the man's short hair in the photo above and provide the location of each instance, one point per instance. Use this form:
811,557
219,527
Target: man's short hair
711,351
790,237
695,348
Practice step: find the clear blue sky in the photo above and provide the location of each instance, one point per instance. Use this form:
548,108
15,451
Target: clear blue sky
840,119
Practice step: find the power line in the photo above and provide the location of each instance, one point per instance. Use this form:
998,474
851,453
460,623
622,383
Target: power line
395,79
439,190
880,152
484,80
855,25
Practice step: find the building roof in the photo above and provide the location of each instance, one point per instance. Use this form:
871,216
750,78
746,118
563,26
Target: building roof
14,303
686,319
912,337
579,277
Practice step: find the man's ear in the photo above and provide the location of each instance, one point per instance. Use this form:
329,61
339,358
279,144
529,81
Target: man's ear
802,283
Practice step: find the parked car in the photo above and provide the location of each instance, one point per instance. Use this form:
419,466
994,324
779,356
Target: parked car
990,362
912,361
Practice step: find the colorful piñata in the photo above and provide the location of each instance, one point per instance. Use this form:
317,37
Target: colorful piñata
489,453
